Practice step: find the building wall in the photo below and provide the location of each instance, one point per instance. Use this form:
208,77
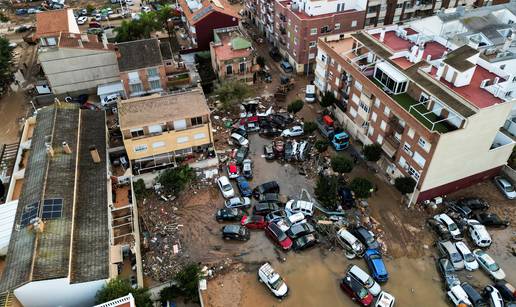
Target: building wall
144,77
74,69
170,139
204,28
466,152
58,292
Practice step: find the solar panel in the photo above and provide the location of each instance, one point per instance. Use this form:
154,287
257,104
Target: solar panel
52,208
29,212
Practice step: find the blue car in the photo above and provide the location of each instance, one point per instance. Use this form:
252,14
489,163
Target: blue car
375,263
243,186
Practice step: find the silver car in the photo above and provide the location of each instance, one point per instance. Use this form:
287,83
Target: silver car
448,250
505,186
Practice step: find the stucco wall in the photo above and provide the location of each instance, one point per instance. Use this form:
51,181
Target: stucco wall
73,69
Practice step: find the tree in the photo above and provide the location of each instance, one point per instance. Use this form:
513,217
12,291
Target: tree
327,100
6,57
185,284
372,152
361,187
90,8
405,185
174,180
326,191
321,145
295,106
163,16
309,127
260,61
140,28
341,164
117,287
232,92
140,190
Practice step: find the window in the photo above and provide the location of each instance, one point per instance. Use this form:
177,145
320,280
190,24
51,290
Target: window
136,88
379,139
377,102
242,67
313,31
406,148
399,5
325,29
424,97
155,129
140,148
364,107
295,28
229,70
152,72
158,144
387,111
180,124
370,131
155,84
295,40
199,136
402,162
355,99
353,112
323,58
411,133
136,132
422,142
383,125
312,44
133,77
419,159
353,23
374,116
358,85
52,208
182,139
412,172
337,26
196,121
51,41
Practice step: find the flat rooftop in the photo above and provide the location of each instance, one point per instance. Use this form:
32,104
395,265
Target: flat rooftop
144,111
303,15
231,45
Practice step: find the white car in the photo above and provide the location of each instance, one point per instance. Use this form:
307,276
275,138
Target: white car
225,187
470,263
450,224
82,20
494,296
384,300
489,265
479,234
505,187
369,283
129,2
294,206
458,296
240,140
272,280
238,202
110,99
146,9
350,243
294,131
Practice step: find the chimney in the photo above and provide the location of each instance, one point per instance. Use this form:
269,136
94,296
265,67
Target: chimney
440,71
80,43
50,150
420,53
94,154
382,35
413,53
66,148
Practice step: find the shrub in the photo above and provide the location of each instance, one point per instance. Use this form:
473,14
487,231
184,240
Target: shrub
405,185
140,190
326,191
186,283
321,145
295,106
174,180
361,187
117,288
260,61
327,100
341,164
372,152
309,127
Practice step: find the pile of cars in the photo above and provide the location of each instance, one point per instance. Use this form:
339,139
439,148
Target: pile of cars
363,289
469,216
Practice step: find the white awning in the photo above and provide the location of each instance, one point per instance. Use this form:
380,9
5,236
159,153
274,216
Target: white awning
7,216
110,88
391,71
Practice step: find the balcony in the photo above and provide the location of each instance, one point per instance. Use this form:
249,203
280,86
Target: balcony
501,140
390,146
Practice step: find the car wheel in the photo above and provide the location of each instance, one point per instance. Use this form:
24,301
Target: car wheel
226,238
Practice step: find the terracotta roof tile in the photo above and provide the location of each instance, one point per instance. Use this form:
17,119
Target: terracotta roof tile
208,6
52,23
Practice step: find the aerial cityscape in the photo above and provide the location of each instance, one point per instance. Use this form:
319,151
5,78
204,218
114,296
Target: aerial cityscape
228,153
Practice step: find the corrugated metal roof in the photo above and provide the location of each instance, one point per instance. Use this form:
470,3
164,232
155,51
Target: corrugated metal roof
7,215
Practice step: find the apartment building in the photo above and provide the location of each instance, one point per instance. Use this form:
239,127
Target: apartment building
435,106
261,14
160,128
299,23
203,16
141,66
232,55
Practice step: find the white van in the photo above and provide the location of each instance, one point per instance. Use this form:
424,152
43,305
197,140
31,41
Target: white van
310,93
458,296
369,283
295,206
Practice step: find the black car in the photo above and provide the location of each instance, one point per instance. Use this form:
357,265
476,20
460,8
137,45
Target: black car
366,237
269,132
304,242
507,291
474,203
240,131
267,187
299,230
275,54
473,295
440,229
235,232
228,214
269,198
275,216
280,120
463,211
347,199
241,154
289,151
447,271
264,208
268,152
491,220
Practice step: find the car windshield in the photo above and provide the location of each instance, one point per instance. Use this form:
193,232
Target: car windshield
310,95
509,189
342,140
453,227
227,187
369,282
493,267
455,257
276,284
469,257
362,293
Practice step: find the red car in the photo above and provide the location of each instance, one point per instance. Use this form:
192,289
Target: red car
354,289
233,171
254,221
279,237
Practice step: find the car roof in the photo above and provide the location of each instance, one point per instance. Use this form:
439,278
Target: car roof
232,228
462,247
445,218
503,181
344,233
